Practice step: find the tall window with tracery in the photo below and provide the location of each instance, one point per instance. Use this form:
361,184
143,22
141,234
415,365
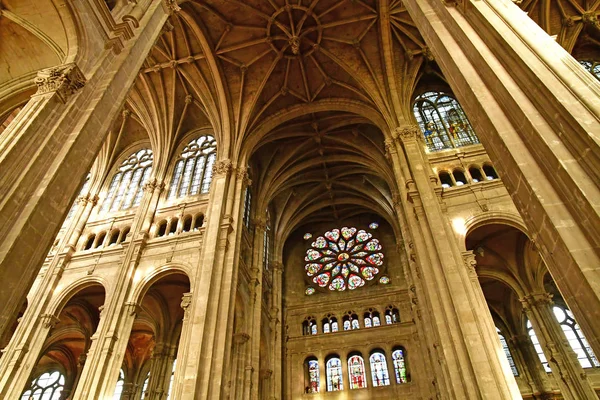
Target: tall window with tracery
334,375
193,169
507,353
399,366
537,346
443,121
126,187
576,339
119,388
47,386
592,66
356,372
379,370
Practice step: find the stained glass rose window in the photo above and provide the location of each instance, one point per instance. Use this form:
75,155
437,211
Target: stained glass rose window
344,258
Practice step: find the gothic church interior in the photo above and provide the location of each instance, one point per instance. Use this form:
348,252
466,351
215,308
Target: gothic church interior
299,199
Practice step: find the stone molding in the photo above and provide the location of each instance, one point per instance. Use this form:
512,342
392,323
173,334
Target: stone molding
64,80
186,301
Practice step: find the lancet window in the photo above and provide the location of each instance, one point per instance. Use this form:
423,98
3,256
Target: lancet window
335,381
330,324
47,386
576,339
399,365
356,372
372,318
392,316
537,346
247,207
507,353
313,379
126,187
309,326
193,169
351,321
379,370
443,121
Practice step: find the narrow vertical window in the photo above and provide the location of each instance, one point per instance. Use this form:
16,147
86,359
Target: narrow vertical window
172,379
312,375
379,370
507,353
145,386
119,388
334,375
356,372
538,347
127,185
399,366
247,206
192,173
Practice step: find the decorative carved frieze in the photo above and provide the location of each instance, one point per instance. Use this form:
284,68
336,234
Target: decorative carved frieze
64,80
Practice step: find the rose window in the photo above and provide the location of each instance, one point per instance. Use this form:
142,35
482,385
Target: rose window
344,258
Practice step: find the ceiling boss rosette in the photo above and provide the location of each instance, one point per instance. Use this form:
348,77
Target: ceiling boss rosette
344,259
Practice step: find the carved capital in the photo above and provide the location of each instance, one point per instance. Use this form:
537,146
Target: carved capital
223,168
84,200
470,262
390,147
591,18
536,300
171,6
277,267
241,337
49,320
242,174
153,185
259,223
64,80
133,308
409,132
265,373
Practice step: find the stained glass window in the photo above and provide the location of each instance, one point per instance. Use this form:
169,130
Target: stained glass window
334,375
47,386
145,386
379,370
247,207
373,225
313,376
344,258
576,339
119,387
593,67
392,315
356,372
384,280
126,188
309,291
507,353
443,121
538,347
330,324
309,326
399,366
307,236
372,318
193,169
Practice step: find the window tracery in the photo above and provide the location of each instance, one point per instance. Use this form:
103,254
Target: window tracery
576,339
194,168
392,316
312,371
351,321
309,326
126,187
344,258
443,121
372,318
47,386
356,372
334,374
379,370
330,324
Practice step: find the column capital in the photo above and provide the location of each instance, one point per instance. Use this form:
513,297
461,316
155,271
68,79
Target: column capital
171,6
133,309
186,300
259,223
223,167
407,133
536,299
242,174
64,80
277,267
154,185
84,200
470,262
241,337
49,320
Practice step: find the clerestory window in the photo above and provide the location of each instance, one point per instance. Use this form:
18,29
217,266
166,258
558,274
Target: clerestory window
193,169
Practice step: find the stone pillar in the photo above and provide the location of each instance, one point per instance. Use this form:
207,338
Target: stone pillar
571,379
161,366
216,279
277,330
182,352
240,355
530,368
256,279
47,150
106,354
463,341
536,111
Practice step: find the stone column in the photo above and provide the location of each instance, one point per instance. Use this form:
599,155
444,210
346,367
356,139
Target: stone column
530,368
571,379
277,331
536,111
182,351
216,279
256,279
47,150
108,349
240,355
161,366
463,341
